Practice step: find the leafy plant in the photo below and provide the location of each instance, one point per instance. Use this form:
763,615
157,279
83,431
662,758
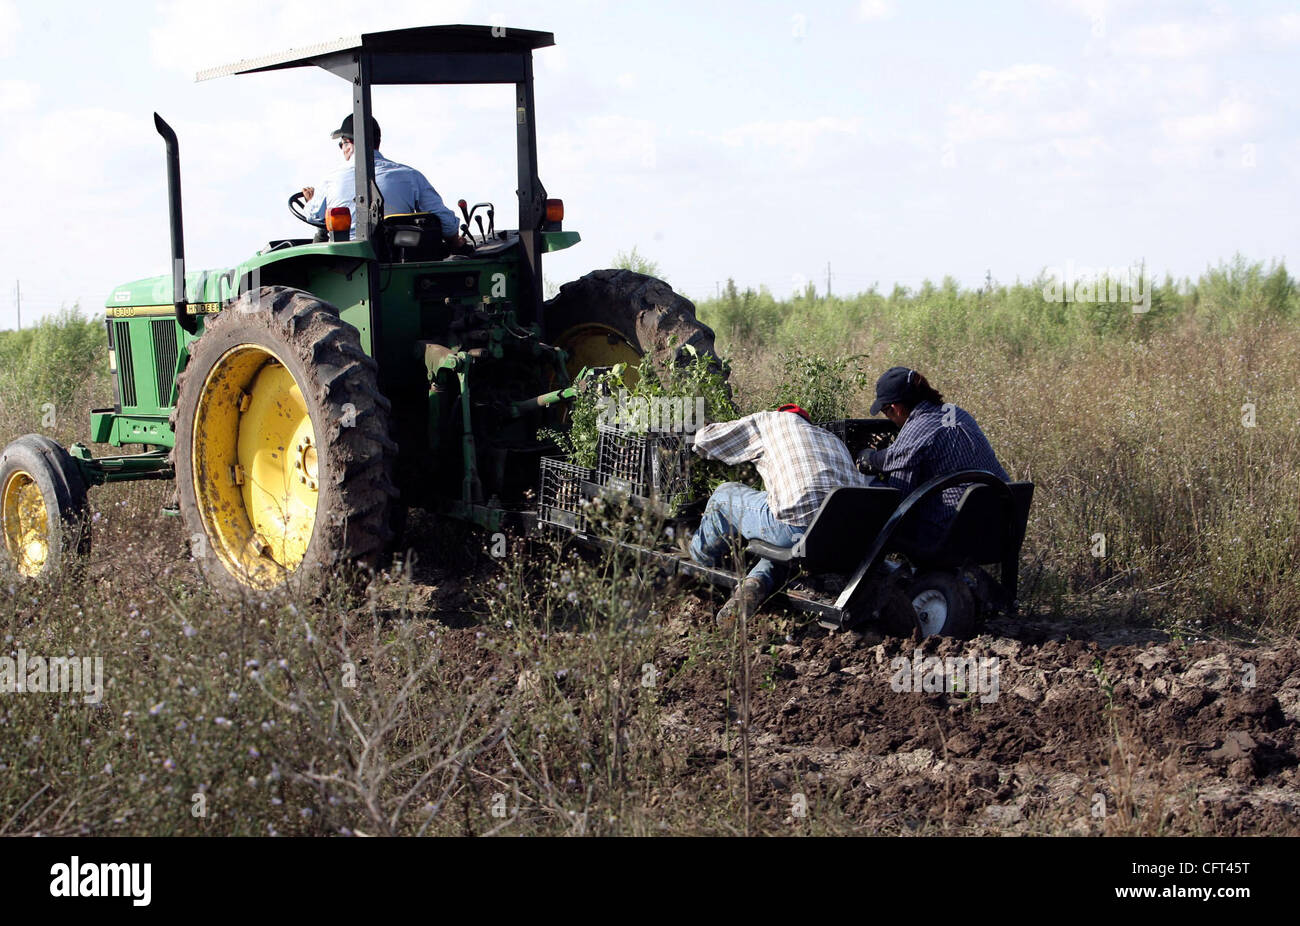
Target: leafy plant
821,385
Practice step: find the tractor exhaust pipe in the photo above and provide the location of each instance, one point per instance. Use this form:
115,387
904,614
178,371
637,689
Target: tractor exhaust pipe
178,235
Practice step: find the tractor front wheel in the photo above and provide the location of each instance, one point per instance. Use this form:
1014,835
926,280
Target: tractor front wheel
283,457
42,507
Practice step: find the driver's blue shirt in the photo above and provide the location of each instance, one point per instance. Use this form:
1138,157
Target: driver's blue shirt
404,189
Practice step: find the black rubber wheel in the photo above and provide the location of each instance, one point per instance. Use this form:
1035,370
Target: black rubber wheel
43,509
897,616
283,456
612,316
943,603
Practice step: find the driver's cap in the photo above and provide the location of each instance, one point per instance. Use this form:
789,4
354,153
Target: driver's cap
345,130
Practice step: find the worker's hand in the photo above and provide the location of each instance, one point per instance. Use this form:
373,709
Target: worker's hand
864,462
308,192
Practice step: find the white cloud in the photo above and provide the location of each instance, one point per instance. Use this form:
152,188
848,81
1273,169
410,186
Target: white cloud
1023,101
10,22
191,36
17,95
796,141
1231,118
601,143
1022,81
1088,8
1283,28
556,60
85,153
875,10
1178,39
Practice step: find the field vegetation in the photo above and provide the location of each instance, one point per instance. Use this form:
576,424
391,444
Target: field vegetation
548,691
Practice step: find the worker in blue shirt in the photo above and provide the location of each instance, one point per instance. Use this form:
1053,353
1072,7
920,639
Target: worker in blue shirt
934,438
403,188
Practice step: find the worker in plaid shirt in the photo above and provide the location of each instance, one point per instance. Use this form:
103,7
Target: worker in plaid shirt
800,464
934,438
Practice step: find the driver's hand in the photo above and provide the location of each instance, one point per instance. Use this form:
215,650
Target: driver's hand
308,192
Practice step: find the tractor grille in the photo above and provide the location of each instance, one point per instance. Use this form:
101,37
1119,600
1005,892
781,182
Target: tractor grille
125,364
164,358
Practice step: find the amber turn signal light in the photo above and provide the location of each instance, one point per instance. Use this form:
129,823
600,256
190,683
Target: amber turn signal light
339,219
555,210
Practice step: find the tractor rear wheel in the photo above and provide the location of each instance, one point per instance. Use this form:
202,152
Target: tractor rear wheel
283,457
42,507
617,316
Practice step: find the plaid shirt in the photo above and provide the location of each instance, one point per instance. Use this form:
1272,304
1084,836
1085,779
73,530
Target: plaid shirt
935,439
800,463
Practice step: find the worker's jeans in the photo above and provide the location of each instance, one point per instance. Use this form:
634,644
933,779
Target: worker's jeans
736,511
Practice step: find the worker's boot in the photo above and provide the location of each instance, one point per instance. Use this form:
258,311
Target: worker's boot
749,595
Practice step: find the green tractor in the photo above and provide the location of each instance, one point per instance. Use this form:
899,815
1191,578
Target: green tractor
304,399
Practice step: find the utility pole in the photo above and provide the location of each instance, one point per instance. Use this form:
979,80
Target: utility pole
828,279
18,299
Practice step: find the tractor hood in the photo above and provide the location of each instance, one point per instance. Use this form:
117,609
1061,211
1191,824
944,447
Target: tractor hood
207,290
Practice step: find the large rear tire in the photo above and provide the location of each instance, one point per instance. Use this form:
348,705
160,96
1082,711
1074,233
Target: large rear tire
617,316
43,508
283,457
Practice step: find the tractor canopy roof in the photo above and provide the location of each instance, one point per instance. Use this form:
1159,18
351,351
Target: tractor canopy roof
421,55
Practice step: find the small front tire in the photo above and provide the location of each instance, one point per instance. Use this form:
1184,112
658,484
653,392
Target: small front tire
43,507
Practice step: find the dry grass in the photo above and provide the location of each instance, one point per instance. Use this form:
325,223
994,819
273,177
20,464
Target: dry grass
538,694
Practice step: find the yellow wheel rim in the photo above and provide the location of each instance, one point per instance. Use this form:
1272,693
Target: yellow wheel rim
597,345
26,523
256,466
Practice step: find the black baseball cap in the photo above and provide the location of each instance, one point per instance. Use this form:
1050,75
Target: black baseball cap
897,384
345,130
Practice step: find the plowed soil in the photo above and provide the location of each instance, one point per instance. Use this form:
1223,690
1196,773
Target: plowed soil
1113,731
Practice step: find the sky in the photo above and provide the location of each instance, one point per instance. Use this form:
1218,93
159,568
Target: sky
892,142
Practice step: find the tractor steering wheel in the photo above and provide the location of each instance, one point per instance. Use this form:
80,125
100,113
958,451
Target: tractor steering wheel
297,200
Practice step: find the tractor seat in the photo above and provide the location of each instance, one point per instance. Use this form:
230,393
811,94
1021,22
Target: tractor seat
840,532
988,527
413,236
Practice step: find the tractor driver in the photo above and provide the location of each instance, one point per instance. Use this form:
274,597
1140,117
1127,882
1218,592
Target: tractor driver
934,438
403,188
800,464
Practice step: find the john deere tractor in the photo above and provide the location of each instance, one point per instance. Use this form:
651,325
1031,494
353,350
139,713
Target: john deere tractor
305,398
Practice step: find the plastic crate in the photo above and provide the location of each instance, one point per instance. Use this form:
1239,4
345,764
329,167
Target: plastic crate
861,434
562,501
653,465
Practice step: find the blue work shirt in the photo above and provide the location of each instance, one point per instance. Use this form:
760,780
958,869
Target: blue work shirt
935,440
404,189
